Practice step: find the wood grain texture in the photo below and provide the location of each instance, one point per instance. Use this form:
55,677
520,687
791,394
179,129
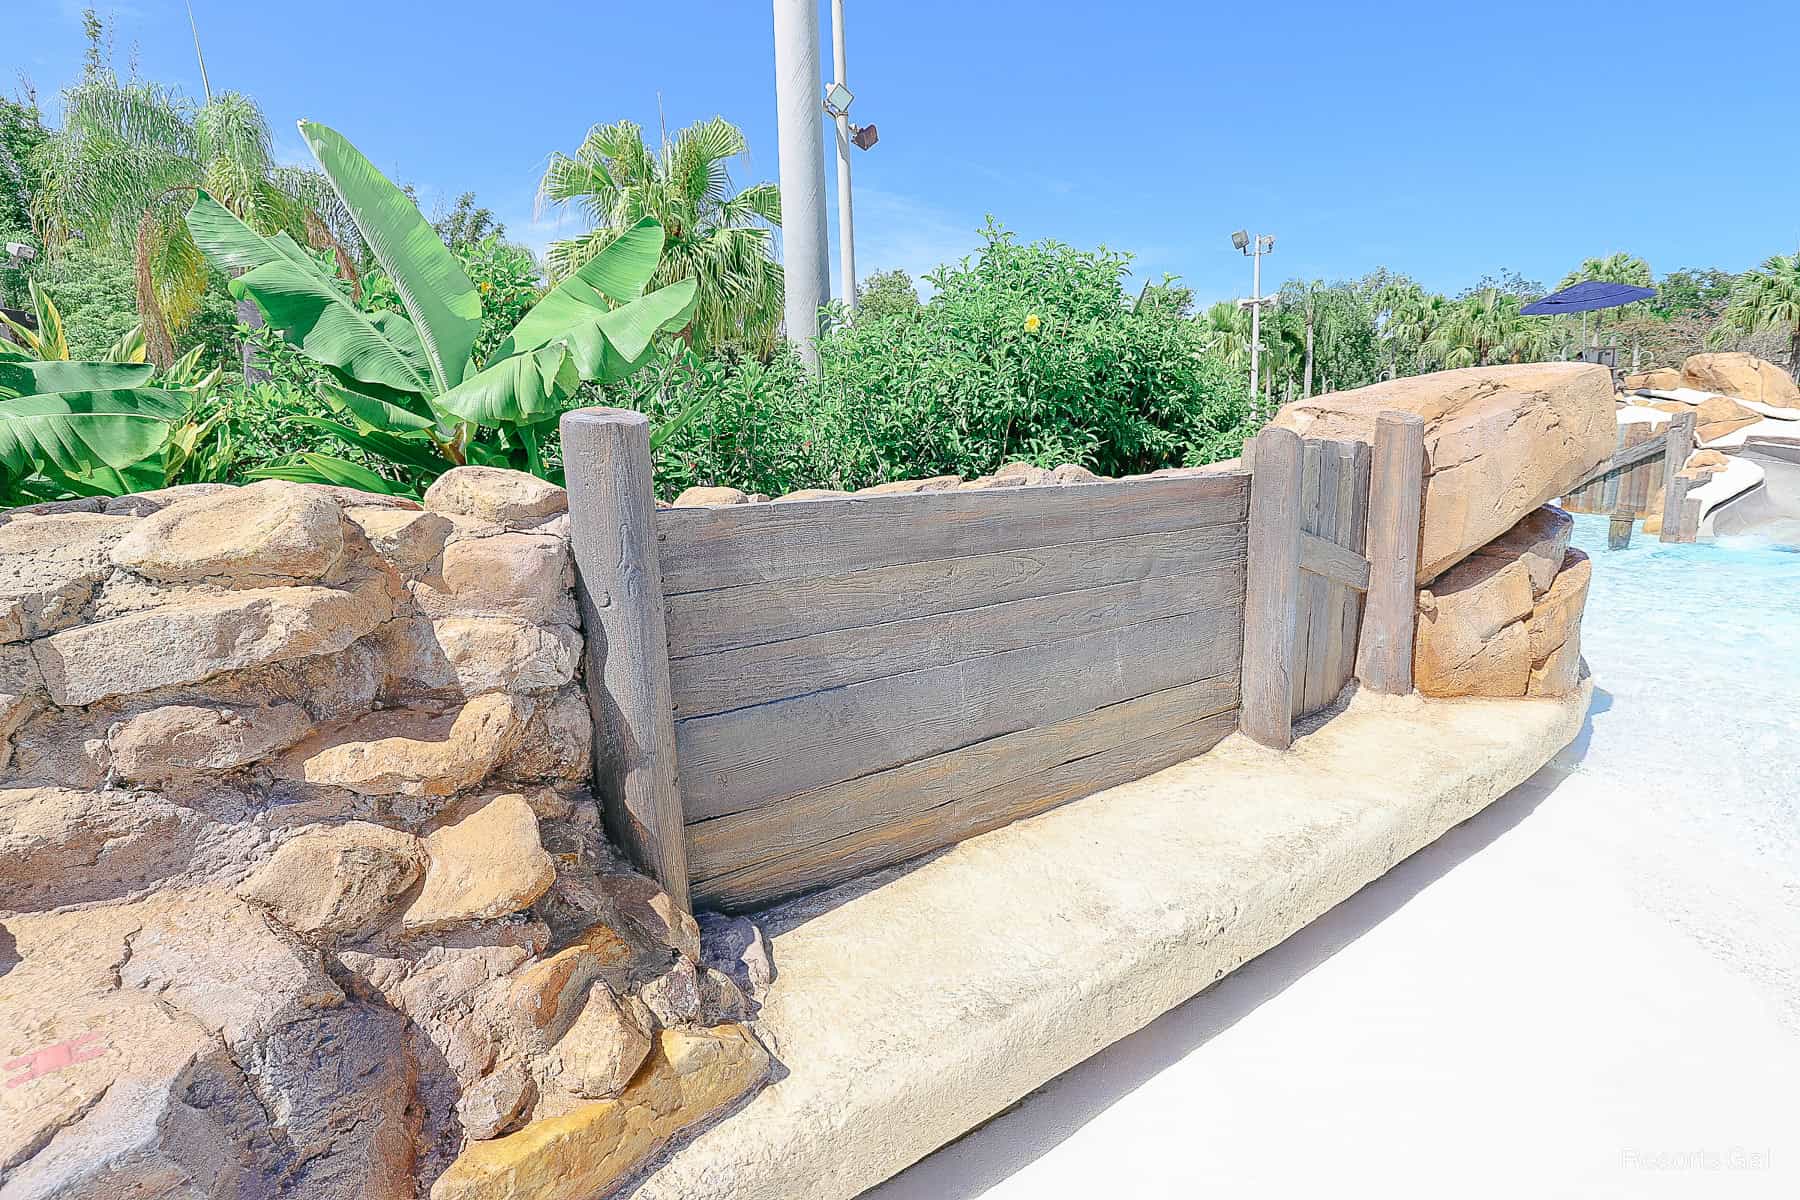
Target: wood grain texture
1680,439
1271,600
1318,690
1396,484
760,674
859,853
606,454
738,760
755,614
1310,603
739,840
1353,511
709,548
1330,561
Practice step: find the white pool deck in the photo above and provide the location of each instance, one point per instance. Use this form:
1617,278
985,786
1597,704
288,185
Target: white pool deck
1590,989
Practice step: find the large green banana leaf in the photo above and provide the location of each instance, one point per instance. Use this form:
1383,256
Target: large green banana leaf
83,432
444,306
614,344
617,273
520,389
323,468
62,375
301,302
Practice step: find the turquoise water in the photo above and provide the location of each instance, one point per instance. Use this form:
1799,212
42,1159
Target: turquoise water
1696,661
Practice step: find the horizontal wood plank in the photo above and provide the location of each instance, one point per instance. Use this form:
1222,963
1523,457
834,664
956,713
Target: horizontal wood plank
1338,564
727,843
742,759
756,614
727,546
716,683
859,853
1628,456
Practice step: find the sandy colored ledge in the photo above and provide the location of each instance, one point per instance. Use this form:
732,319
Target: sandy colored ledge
914,1005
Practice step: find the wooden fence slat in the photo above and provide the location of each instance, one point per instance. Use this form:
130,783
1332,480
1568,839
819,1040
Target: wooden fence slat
612,509
1272,590
1310,600
754,614
1680,444
1339,565
1353,515
759,674
753,756
709,548
1324,617
793,825
1396,485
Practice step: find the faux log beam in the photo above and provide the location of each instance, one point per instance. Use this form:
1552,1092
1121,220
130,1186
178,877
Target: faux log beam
1396,488
1679,445
1271,601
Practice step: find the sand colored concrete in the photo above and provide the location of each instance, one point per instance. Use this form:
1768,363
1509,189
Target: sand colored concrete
915,1005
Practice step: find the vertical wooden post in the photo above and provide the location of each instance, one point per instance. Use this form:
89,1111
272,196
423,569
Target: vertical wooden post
1271,601
1384,659
1618,530
618,581
1679,445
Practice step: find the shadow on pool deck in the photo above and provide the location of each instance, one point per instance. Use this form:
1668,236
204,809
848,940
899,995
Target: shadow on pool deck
973,1163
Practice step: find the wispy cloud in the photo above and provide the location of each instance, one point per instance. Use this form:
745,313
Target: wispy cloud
903,232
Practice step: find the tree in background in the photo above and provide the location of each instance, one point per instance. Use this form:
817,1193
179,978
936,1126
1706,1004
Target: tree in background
1487,328
1767,298
885,293
22,132
717,236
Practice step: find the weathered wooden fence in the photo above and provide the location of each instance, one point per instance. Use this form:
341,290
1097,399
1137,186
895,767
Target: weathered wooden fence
798,693
1641,479
1333,547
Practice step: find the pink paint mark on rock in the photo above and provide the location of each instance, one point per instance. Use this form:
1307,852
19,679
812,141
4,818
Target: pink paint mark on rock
52,1058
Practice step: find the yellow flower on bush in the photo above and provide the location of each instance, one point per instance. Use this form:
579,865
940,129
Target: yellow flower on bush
486,287
1031,323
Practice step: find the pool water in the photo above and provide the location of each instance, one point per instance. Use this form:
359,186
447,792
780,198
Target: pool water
1695,652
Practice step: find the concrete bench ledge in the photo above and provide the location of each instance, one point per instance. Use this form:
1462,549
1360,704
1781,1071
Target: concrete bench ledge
912,1006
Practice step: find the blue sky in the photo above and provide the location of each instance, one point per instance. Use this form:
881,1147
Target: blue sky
1446,140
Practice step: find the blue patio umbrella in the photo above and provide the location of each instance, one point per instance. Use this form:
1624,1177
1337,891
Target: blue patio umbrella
1586,297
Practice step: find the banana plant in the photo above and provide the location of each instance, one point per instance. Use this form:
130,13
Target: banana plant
48,342
406,386
79,428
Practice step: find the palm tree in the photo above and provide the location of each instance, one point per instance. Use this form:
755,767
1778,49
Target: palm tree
1614,268
1767,298
1487,328
121,173
719,237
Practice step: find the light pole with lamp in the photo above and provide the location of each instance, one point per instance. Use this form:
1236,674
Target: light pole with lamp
1254,248
837,106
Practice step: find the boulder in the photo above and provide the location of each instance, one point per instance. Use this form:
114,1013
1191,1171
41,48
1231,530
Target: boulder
1499,441
937,483
1073,473
201,636
496,495
176,740
1660,379
1033,476
691,1075
1539,540
267,534
600,1052
409,751
51,568
1554,630
494,1103
1705,462
488,864
411,541
1743,376
702,497
812,494
491,654
68,846
528,576
337,880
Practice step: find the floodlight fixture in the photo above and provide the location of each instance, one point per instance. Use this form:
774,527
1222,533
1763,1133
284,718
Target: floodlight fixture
838,99
863,137
1241,240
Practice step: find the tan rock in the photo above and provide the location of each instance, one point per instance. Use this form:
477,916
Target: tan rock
337,880
1073,473
70,846
1540,540
1033,476
1500,441
1705,462
1471,639
266,534
529,576
1659,379
557,739
178,739
937,483
702,497
489,864
1712,431
601,1051
409,751
490,654
990,482
497,495
1716,410
409,540
1741,375
495,1102
674,996
51,568
690,1075
197,638
1553,632
812,494
1668,406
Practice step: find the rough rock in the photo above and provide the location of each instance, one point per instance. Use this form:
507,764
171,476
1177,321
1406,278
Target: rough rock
266,534
490,654
812,494
674,996
494,1103
1704,462
489,864
701,497
338,880
1539,540
496,495
177,740
409,751
937,483
1554,630
1741,375
601,1051
989,482
67,846
1658,378
1034,476
51,568
410,540
142,504
213,634
691,1075
736,947
1499,441
1471,638
524,575
1073,473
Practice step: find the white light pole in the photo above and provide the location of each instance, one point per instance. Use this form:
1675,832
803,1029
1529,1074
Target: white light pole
806,257
1254,248
846,221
